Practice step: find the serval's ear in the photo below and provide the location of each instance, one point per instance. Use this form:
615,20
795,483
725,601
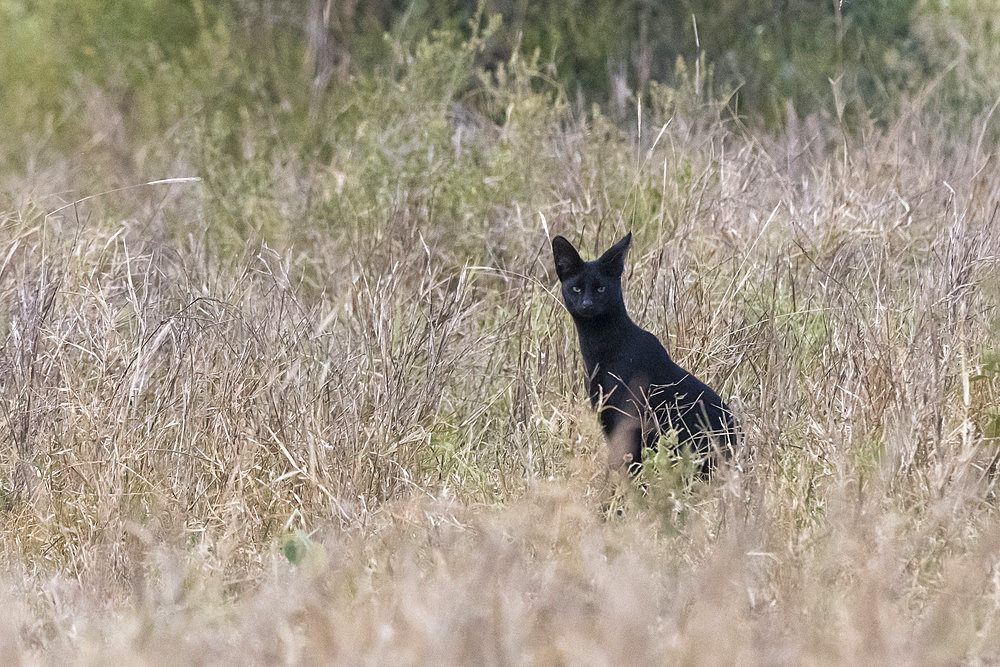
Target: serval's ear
612,262
567,259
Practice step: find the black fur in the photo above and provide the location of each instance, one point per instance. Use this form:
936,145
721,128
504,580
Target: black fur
638,388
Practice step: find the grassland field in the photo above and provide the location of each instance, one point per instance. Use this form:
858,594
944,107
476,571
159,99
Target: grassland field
265,404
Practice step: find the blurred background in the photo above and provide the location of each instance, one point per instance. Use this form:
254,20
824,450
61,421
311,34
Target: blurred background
245,77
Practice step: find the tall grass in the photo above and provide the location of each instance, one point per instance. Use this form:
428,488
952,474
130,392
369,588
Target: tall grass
329,406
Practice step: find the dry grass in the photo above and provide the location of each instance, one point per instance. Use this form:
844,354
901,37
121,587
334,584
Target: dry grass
366,438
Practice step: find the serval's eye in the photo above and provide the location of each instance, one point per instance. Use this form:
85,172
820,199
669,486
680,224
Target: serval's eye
576,289
601,289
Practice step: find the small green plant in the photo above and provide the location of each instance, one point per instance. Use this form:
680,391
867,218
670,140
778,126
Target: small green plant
302,551
669,464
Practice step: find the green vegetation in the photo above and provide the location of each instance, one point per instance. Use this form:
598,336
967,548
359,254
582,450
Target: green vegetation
284,374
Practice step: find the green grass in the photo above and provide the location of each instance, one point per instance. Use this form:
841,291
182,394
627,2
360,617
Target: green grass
325,403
